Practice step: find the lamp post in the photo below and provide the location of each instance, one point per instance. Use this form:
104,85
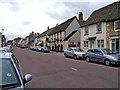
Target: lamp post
2,36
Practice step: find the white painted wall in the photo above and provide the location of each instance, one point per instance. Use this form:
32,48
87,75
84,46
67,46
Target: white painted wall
92,33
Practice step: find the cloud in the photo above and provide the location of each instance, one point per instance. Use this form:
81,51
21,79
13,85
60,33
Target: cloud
20,17
26,23
58,11
13,5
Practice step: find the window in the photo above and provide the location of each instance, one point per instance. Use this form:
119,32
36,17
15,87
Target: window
100,43
85,43
97,51
69,49
8,72
86,31
91,50
117,25
99,28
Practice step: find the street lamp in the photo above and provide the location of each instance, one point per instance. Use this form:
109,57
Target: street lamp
2,36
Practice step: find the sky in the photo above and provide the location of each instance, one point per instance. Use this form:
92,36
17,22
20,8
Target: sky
20,17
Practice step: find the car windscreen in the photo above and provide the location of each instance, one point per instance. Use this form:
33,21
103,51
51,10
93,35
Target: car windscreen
8,74
7,49
2,51
78,50
108,51
45,48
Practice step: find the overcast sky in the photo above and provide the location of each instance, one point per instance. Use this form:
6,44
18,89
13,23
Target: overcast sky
20,17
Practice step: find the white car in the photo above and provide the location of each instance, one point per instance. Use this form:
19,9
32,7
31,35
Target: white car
2,50
74,52
38,48
10,73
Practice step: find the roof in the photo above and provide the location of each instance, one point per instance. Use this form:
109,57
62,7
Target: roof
107,13
59,28
63,26
71,34
43,34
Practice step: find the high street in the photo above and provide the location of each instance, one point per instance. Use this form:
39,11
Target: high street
53,70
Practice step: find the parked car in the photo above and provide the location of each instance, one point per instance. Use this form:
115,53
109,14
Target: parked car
34,48
45,49
38,48
10,73
103,55
8,49
2,50
74,52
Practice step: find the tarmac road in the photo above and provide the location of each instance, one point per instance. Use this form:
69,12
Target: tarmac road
53,70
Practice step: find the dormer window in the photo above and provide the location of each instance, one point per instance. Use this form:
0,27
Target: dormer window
99,28
117,25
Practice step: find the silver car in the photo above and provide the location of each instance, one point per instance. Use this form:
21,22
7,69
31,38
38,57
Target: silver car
10,73
103,55
8,49
2,50
74,52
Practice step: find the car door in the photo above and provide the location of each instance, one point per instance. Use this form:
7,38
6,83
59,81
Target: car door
98,55
68,52
91,54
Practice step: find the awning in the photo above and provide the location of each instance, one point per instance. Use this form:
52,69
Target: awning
40,43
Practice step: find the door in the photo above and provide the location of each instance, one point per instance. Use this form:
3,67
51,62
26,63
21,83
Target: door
99,57
70,52
115,45
92,43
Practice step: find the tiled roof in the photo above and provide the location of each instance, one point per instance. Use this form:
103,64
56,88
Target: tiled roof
43,34
71,34
107,13
63,26
58,28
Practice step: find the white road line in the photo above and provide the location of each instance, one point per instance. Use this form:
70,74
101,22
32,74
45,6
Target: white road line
74,69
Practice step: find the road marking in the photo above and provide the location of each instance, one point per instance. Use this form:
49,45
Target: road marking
92,63
74,69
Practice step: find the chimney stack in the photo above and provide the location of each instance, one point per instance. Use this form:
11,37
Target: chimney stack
48,28
80,17
57,25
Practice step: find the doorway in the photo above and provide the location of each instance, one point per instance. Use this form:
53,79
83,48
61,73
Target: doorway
115,45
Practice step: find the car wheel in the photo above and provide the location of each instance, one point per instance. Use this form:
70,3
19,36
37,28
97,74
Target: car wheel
107,62
42,50
65,55
75,56
87,59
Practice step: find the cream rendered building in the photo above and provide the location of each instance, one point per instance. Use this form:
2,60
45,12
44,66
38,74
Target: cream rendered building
102,28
